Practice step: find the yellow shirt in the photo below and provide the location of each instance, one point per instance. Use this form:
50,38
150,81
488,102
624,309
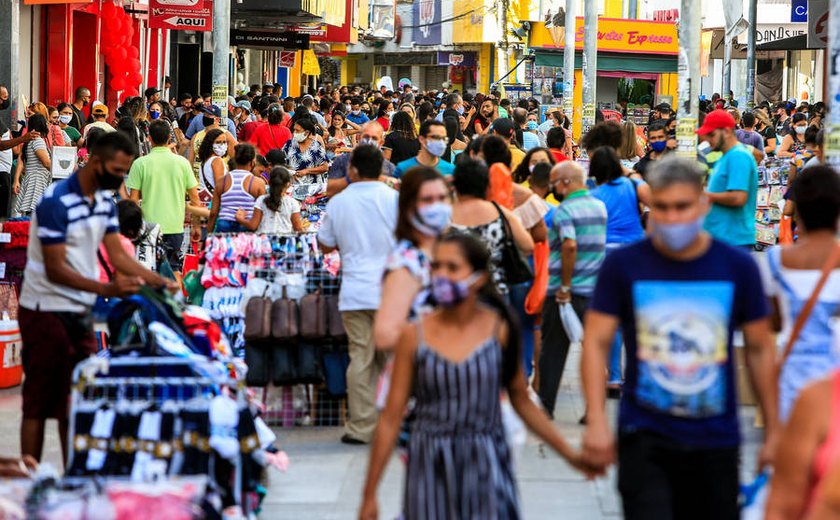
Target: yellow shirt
550,198
516,157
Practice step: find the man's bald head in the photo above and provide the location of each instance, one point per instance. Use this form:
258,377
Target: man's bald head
568,171
374,132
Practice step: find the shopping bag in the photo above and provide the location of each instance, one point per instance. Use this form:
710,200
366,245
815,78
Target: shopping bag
571,323
754,497
786,230
191,259
536,296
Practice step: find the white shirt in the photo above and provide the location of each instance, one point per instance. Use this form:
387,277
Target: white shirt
360,221
6,156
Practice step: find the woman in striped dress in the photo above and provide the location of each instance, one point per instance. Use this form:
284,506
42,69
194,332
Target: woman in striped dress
35,168
457,360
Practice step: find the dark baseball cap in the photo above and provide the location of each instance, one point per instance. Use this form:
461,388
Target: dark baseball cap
151,91
504,127
213,110
663,107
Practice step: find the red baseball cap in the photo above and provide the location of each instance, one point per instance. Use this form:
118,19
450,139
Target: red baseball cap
716,120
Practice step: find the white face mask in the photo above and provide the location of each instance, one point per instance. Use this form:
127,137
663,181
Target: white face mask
65,119
801,129
299,137
220,149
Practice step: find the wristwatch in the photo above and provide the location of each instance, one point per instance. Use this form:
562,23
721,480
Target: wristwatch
565,288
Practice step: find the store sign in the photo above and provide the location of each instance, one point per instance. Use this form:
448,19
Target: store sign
666,15
427,22
799,11
287,59
766,33
181,15
457,59
617,35
817,24
285,40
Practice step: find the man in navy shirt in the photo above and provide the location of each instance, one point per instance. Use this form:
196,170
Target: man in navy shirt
678,296
61,282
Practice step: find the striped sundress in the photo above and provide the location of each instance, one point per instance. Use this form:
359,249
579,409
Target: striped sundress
459,463
35,179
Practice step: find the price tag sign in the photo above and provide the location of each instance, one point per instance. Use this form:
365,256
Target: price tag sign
5,238
687,137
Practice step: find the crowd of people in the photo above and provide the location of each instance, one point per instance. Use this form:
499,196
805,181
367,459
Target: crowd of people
471,234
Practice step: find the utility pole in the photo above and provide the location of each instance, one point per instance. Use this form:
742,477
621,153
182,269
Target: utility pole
688,66
503,66
221,55
832,134
727,66
751,37
569,59
590,62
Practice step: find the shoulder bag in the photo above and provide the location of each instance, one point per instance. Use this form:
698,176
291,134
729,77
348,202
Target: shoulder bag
516,266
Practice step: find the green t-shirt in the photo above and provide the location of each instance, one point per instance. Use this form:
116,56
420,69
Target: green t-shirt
163,179
74,134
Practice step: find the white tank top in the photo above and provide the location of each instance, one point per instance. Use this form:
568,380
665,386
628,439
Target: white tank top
207,180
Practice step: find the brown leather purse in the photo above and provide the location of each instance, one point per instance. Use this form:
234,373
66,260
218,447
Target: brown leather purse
335,324
285,318
258,318
314,317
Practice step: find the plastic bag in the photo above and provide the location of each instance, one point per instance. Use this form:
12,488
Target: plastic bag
515,431
754,497
571,323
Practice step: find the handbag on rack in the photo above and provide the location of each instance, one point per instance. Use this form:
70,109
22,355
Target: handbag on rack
335,324
314,317
284,318
258,319
516,266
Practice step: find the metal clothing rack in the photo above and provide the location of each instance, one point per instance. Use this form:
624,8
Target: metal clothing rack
151,380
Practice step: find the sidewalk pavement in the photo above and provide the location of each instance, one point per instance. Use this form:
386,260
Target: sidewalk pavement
325,478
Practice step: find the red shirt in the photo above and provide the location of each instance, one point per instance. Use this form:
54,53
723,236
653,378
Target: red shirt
268,137
247,130
558,155
384,121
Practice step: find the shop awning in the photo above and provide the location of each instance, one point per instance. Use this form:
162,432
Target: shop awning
794,43
612,62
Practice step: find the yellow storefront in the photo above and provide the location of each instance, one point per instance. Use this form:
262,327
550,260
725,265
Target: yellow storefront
637,62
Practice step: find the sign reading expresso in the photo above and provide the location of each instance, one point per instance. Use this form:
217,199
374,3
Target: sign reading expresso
285,40
617,35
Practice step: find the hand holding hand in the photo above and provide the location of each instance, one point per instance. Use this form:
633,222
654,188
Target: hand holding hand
122,286
598,446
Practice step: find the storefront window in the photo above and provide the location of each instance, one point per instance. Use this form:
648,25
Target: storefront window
637,91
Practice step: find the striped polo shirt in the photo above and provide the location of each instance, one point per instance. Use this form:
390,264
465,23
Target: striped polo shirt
66,216
582,218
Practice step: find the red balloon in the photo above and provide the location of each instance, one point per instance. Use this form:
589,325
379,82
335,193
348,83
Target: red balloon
119,83
109,10
133,65
115,25
134,53
135,78
133,91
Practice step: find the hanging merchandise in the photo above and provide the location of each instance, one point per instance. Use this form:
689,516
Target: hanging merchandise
770,200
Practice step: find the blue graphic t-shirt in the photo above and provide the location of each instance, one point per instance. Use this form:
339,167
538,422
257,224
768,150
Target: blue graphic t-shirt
678,319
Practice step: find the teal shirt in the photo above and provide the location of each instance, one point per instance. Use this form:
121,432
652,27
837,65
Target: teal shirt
735,171
445,168
582,218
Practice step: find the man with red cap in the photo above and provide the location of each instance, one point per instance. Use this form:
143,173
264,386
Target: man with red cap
733,184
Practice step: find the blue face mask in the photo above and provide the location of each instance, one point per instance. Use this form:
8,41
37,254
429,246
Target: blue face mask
659,146
677,237
532,125
433,219
155,114
436,148
460,110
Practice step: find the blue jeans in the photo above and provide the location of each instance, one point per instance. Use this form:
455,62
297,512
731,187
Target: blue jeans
517,296
228,226
614,376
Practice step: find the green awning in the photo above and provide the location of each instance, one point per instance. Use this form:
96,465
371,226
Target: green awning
612,62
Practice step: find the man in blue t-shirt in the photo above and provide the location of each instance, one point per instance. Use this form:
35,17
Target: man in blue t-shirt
678,306
432,146
733,185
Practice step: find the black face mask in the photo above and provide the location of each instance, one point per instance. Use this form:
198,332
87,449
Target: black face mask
557,195
5,104
107,180
208,121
